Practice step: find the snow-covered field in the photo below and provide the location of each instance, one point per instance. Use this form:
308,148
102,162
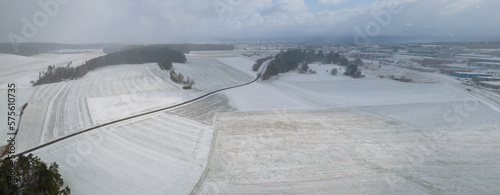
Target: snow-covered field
344,151
101,96
157,154
295,133
168,147
129,105
21,70
323,134
243,64
205,109
443,105
211,74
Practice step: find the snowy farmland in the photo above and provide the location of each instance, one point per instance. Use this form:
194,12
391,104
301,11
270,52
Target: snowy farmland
116,92
295,133
21,70
101,96
405,102
211,74
345,151
150,155
170,147
323,134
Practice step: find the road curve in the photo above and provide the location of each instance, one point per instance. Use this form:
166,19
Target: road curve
132,117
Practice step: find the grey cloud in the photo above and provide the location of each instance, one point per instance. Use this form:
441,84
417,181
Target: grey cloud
197,20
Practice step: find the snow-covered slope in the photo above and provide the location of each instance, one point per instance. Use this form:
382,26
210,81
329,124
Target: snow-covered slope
21,70
344,151
101,96
211,74
158,154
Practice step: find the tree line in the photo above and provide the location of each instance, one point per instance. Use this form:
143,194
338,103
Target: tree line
30,175
23,49
147,54
209,47
184,48
165,64
31,48
297,59
179,79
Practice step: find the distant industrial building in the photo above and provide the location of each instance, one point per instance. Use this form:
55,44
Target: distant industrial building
490,84
374,55
445,55
425,52
474,56
492,63
468,74
421,69
477,79
489,65
450,70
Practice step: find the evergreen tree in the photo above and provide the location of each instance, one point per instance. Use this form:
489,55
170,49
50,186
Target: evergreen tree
303,67
329,58
351,70
334,71
32,176
165,64
336,58
358,61
5,180
344,62
320,56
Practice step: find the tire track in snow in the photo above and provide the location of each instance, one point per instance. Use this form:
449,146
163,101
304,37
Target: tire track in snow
114,90
120,85
160,86
47,115
60,109
159,78
134,78
148,80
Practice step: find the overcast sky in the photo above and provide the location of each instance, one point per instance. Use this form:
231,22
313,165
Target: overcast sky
133,21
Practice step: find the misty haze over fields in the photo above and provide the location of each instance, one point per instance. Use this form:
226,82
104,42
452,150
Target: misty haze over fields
152,21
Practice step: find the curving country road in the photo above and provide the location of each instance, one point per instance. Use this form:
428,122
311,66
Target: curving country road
132,117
